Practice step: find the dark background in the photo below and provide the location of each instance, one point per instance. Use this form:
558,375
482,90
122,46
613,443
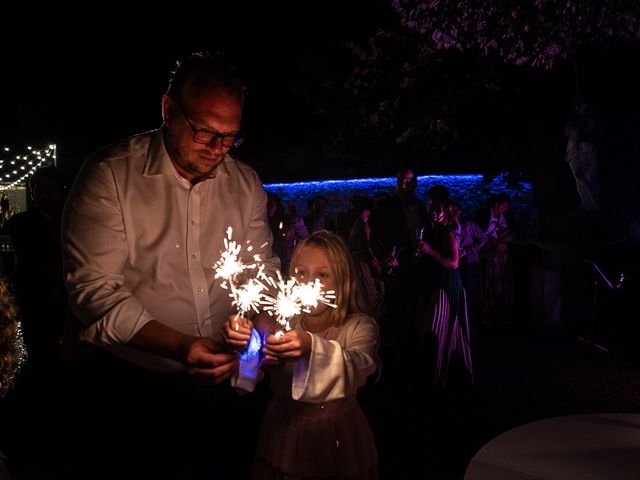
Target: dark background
86,83
86,78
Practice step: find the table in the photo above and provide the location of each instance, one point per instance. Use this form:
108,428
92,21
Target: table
576,447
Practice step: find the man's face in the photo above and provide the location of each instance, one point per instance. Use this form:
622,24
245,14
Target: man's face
503,207
407,182
214,111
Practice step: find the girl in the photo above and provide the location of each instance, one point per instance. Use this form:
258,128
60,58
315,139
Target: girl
313,426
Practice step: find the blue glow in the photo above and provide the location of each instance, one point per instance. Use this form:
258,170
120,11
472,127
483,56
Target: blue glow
253,349
373,181
470,191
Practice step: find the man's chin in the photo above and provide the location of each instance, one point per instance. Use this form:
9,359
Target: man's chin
208,164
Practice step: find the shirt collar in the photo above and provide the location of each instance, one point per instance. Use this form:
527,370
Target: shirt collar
159,163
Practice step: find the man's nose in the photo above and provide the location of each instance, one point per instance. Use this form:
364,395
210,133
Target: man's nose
216,144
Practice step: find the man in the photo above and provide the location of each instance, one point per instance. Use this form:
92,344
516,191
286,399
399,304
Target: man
497,292
396,223
144,223
35,235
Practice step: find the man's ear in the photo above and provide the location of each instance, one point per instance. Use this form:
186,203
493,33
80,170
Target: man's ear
168,108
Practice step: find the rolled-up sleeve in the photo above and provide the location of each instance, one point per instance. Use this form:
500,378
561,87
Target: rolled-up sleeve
95,251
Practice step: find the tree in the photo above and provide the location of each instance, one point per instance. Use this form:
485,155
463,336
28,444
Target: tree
536,33
527,32
407,101
415,86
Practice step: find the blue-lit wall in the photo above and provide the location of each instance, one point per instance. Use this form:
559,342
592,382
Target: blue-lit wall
470,191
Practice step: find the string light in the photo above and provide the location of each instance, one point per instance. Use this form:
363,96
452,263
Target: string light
14,171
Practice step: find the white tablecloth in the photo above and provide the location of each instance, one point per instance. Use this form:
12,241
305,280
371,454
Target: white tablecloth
576,447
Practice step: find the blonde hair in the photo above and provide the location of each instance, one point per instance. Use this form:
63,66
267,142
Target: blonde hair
12,351
342,269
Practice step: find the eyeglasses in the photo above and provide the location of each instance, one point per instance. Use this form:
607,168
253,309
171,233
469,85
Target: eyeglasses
210,137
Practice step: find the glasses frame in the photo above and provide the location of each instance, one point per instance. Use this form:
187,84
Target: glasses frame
212,135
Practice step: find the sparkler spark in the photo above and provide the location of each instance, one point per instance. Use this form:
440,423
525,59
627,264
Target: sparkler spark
229,265
281,299
293,298
246,296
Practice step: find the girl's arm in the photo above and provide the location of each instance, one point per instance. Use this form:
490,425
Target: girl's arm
334,370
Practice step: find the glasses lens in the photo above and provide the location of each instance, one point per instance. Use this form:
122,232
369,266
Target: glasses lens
232,141
228,141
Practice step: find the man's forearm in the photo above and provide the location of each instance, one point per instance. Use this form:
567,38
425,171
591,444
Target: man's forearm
155,337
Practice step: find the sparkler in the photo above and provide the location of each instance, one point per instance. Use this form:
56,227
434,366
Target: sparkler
293,298
230,267
281,299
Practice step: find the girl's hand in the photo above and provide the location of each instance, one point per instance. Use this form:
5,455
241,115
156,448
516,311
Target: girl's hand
290,345
390,262
237,332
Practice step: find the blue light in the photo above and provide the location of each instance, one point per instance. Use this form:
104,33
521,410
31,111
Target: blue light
253,349
470,191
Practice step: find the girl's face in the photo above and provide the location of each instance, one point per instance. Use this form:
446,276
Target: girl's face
438,215
366,213
311,263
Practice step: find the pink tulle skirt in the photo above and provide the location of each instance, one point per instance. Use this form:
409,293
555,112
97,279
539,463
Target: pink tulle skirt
308,440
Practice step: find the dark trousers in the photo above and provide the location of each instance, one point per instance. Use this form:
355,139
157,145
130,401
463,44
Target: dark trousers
128,422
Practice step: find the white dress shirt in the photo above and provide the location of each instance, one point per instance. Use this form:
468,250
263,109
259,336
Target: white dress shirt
496,225
139,241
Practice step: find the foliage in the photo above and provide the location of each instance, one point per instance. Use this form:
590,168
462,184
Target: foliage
406,99
431,82
524,32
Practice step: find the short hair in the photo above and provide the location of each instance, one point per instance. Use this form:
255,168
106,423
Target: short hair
205,71
438,192
12,348
499,199
342,269
360,203
402,172
311,204
274,199
48,171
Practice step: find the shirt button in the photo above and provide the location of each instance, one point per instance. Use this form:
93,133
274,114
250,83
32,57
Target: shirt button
193,256
200,289
177,245
193,222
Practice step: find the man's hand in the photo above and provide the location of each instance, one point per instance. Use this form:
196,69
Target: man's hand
207,362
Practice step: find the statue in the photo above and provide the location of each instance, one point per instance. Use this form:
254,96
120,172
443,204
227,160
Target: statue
582,155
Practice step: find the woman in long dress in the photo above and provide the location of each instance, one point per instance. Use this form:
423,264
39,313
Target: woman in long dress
446,316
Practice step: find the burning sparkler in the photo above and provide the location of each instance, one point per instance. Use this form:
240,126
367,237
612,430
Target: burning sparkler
229,267
281,299
293,298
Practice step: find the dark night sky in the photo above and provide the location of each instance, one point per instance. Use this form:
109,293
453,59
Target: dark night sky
84,84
